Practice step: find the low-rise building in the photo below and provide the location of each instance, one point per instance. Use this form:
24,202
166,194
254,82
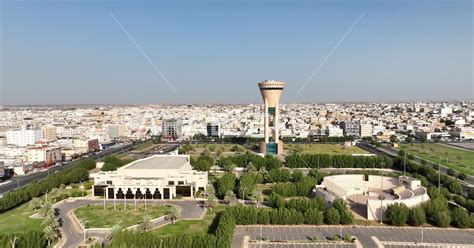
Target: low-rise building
155,177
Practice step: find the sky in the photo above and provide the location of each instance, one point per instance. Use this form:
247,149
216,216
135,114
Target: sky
206,52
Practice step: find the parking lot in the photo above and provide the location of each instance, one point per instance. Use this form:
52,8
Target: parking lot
282,235
308,245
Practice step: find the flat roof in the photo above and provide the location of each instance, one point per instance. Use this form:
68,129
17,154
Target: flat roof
159,162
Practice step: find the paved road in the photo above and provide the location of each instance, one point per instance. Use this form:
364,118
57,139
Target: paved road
73,234
22,181
363,234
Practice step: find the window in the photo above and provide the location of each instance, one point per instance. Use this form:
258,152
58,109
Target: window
109,182
170,182
180,182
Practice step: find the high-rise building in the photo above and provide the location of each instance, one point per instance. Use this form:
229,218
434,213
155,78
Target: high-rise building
49,133
365,130
24,137
351,128
171,128
271,91
115,131
212,129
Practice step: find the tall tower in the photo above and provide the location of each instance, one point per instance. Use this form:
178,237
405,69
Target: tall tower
271,91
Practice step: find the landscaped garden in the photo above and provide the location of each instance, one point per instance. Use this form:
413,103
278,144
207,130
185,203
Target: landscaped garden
95,216
455,158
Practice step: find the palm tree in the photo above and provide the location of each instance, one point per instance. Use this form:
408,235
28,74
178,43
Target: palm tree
230,197
210,189
50,234
211,201
46,208
145,224
36,203
51,221
114,231
172,214
256,197
54,194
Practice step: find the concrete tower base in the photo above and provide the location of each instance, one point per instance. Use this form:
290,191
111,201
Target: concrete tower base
271,148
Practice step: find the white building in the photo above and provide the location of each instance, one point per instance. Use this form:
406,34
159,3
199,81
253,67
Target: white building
334,132
365,130
155,177
24,137
49,133
44,154
116,131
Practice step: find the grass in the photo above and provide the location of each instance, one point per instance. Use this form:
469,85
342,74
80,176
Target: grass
323,149
216,150
18,220
458,159
192,227
96,217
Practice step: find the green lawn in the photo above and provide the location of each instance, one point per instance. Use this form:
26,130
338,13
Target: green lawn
192,227
96,217
323,149
18,220
458,159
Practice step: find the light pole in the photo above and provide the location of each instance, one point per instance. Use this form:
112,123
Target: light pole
381,197
405,162
439,173
422,234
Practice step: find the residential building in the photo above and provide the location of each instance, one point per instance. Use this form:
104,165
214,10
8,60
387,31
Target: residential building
351,128
334,132
24,137
171,128
49,133
44,154
116,131
212,129
365,130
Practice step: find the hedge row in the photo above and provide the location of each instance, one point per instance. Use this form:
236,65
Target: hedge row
32,239
76,173
336,161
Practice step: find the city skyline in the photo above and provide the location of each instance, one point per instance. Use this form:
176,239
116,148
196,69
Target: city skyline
214,52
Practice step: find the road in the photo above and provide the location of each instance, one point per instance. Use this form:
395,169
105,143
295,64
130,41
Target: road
388,235
22,181
73,233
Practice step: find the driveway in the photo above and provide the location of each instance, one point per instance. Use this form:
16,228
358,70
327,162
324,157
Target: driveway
73,233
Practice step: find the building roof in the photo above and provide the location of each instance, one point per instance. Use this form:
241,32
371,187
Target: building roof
159,162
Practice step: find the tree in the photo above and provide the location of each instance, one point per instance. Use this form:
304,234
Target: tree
225,183
256,196
45,209
397,213
36,203
116,229
246,185
211,202
297,176
276,200
210,189
313,217
460,218
145,225
442,219
332,216
50,234
417,216
172,214
393,138
230,197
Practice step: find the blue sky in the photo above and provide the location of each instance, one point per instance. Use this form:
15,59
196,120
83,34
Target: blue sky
73,52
